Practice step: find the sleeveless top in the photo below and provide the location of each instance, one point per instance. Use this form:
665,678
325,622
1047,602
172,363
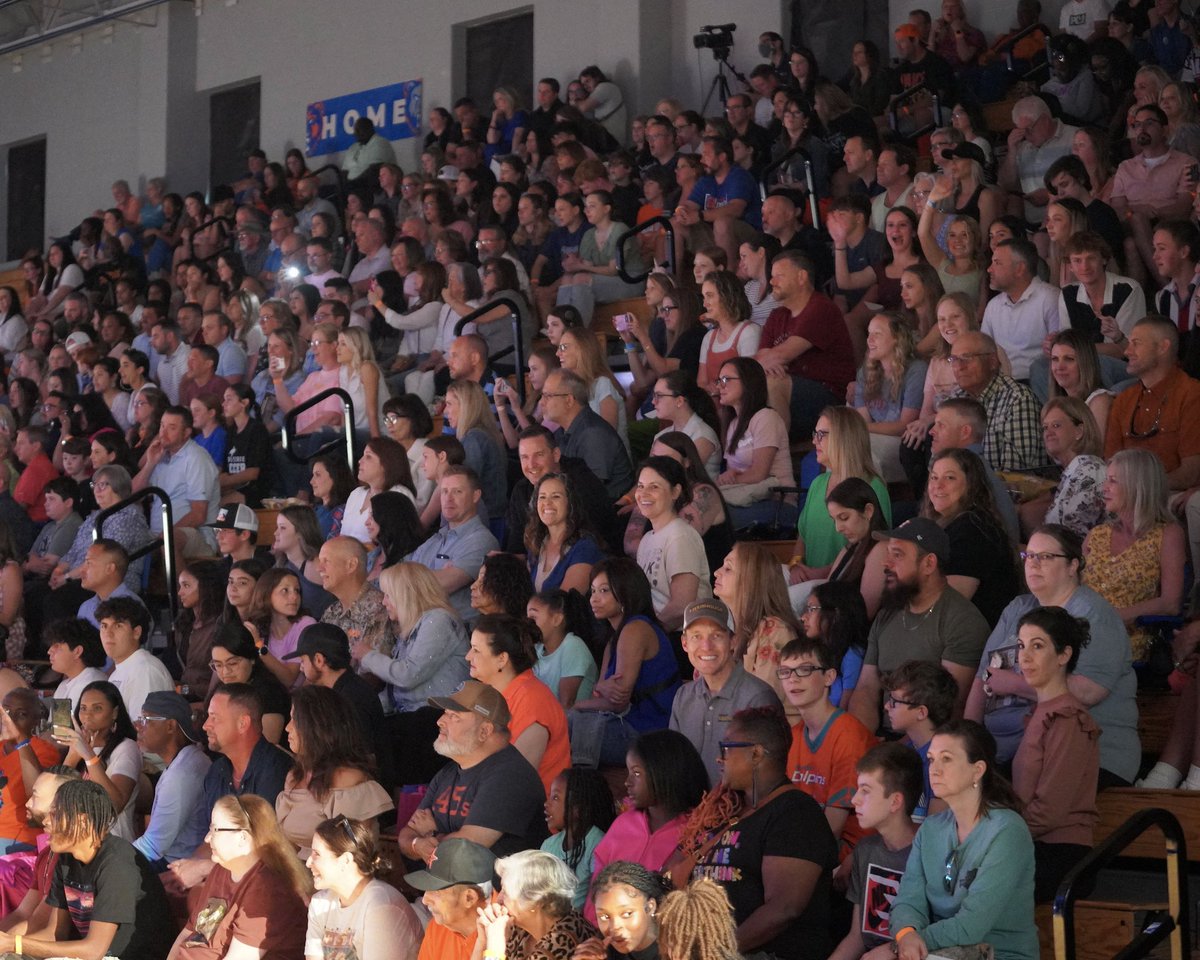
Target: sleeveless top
887,290
717,358
971,207
1128,577
352,383
658,679
1083,318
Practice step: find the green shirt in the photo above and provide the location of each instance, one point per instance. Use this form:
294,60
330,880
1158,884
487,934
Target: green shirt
821,541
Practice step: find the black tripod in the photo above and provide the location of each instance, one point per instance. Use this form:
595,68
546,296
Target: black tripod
720,83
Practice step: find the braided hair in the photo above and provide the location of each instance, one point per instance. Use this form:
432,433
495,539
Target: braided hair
82,813
587,803
697,923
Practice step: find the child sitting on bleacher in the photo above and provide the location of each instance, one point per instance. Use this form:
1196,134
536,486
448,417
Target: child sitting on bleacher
920,698
890,782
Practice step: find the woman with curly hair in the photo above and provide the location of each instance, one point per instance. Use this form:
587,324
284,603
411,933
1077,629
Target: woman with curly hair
697,921
560,552
728,307
333,773
889,390
502,587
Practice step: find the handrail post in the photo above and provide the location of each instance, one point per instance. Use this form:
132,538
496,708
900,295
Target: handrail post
514,312
662,220
168,538
287,439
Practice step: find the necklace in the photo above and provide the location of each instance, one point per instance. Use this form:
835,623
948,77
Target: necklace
920,620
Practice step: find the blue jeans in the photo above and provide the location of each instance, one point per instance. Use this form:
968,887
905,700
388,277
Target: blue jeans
809,398
599,738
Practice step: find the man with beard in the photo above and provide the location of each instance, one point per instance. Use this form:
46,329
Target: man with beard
922,618
488,792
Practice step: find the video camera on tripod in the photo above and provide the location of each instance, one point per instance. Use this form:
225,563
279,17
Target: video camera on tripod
716,37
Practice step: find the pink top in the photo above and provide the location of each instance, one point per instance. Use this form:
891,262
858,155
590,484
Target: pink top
280,647
313,384
629,838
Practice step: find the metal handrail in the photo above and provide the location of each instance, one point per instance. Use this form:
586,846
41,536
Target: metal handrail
910,94
166,541
1007,46
808,180
662,220
288,436
1173,923
518,347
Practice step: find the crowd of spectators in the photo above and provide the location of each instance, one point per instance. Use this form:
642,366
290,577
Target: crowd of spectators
959,397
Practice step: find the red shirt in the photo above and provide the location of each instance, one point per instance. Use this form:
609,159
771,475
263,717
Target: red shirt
830,359
30,491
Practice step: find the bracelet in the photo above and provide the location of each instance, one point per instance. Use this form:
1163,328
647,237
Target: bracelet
17,944
839,249
23,744
631,348
492,955
901,934
92,761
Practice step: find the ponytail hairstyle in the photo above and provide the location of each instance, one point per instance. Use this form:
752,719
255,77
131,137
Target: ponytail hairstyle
1063,630
343,835
515,637
683,383
995,792
257,817
245,393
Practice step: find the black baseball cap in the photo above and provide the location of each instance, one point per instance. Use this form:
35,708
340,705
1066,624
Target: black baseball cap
326,638
925,533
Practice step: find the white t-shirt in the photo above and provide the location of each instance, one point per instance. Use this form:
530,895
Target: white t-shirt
601,389
354,519
663,554
379,925
139,675
125,761
74,687
1081,16
696,429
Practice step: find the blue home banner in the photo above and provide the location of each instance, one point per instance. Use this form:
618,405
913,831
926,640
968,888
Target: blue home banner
395,110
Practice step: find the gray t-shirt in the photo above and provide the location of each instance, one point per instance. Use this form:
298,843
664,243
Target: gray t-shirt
1106,660
953,630
875,876
56,537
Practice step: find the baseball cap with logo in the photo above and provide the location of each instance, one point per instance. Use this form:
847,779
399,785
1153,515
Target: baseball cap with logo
476,697
925,533
455,861
711,609
239,517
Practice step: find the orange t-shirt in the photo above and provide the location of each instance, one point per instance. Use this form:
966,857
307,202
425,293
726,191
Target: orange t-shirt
824,767
442,943
530,701
13,824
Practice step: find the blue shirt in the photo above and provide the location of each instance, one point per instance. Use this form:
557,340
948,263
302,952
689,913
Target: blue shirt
1171,45
87,609
583,550
464,547
231,359
186,476
264,777
739,184
173,832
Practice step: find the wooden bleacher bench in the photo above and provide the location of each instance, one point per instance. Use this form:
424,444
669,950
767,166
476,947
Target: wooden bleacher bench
266,527
602,317
1102,927
783,550
998,116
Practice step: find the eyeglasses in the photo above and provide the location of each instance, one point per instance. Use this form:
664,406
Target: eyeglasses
222,665
726,745
664,396
724,381
1153,431
552,396
344,822
392,419
811,608
804,670
144,719
893,702
320,343
820,436
101,485
1042,557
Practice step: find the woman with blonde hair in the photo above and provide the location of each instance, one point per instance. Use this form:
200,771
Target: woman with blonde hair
253,864
1065,217
959,266
955,316
359,375
428,660
579,351
751,583
697,921
888,391
1073,441
470,417
1135,560
506,130
1183,120
843,447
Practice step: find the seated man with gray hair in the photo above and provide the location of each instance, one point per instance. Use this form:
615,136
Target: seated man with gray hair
1036,141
